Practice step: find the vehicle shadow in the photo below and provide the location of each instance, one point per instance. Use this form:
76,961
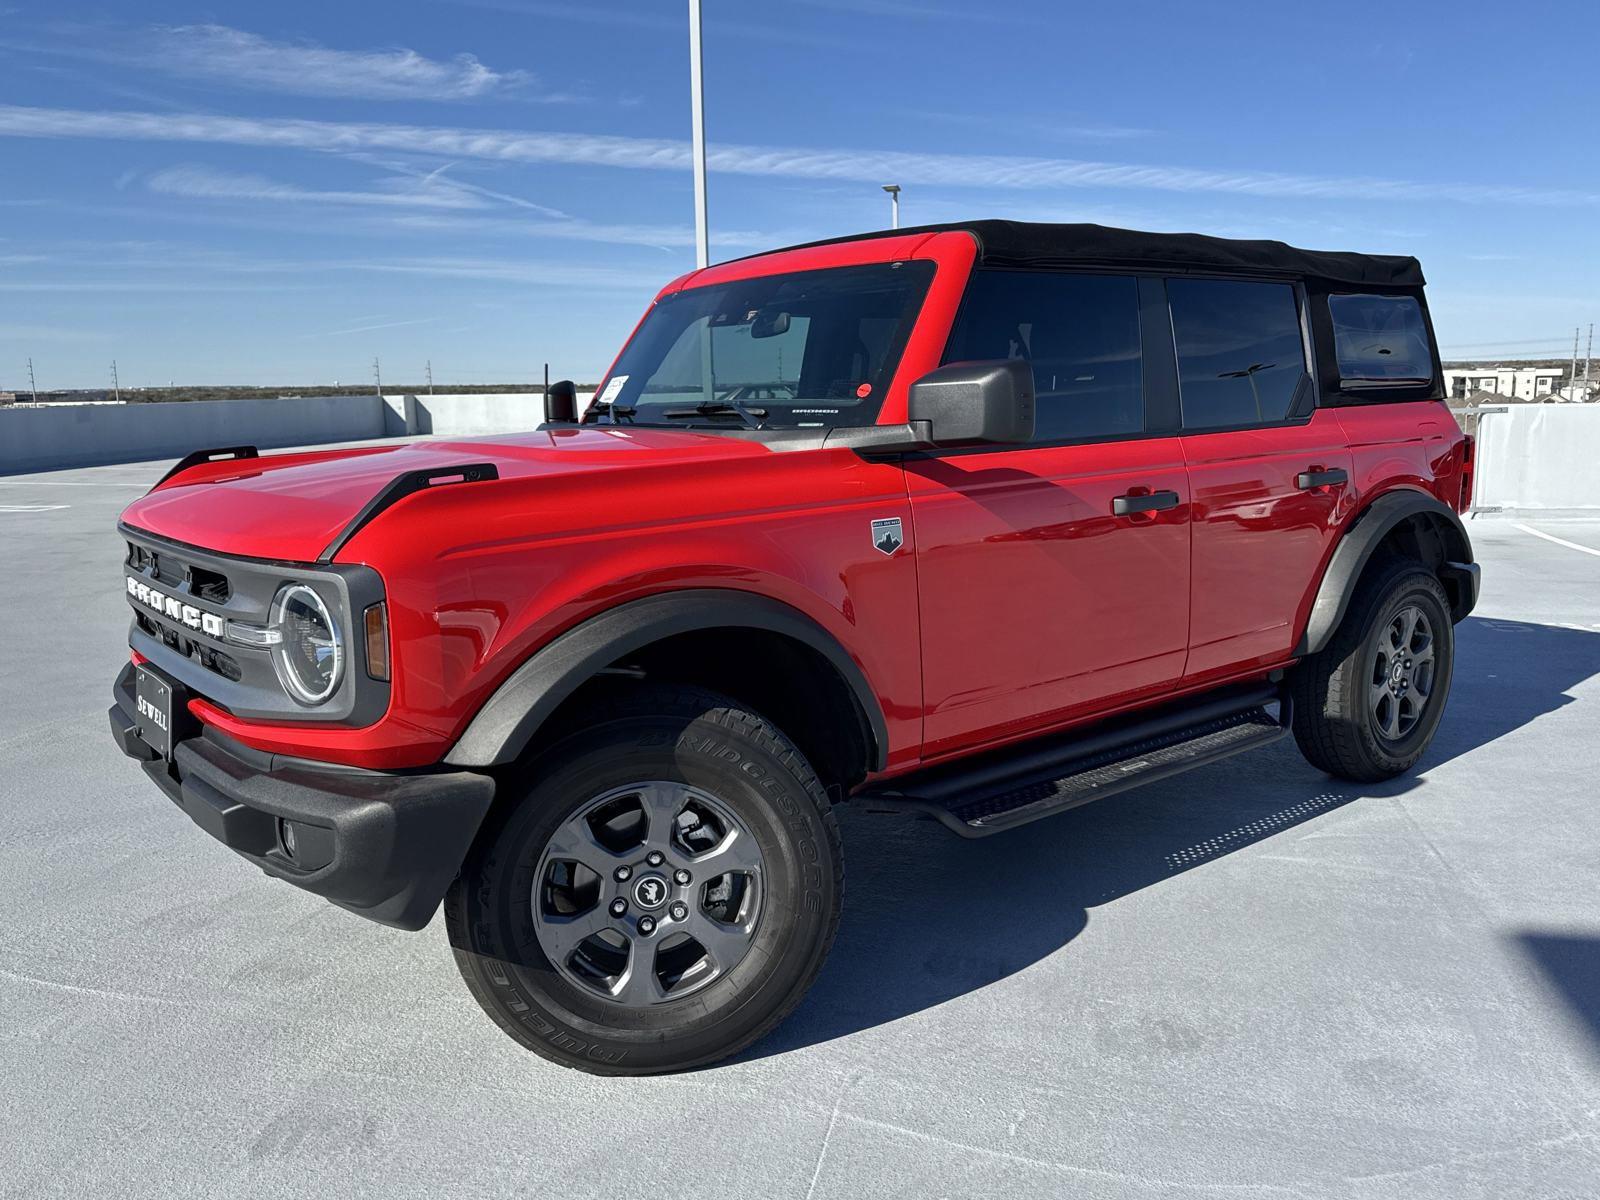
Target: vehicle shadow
1571,963
930,917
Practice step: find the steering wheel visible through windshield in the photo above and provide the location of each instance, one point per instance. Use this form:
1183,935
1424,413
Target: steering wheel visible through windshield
807,349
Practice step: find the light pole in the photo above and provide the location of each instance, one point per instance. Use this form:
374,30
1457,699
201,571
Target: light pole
697,108
894,204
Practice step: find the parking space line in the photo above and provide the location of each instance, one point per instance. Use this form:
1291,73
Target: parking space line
31,508
1549,537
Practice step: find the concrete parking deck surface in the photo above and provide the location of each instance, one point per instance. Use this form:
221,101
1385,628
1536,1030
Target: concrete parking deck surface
1253,980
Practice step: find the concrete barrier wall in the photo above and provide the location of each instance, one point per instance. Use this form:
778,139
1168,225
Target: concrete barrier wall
1538,457
475,415
86,435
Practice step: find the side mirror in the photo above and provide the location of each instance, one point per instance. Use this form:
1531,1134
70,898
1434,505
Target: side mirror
561,403
974,403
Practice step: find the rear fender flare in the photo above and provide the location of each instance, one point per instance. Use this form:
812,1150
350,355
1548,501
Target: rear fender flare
509,719
1362,539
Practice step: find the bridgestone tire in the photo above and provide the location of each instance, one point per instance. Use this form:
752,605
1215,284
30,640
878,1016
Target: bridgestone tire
674,734
1333,718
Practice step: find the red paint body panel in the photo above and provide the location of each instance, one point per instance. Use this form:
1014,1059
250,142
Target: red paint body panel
1038,605
1259,541
1018,604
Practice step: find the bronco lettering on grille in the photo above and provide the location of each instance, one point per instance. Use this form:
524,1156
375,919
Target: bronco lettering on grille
175,609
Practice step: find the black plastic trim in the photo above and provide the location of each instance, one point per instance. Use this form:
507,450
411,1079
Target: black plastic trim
196,457
384,845
1124,506
1307,480
1356,548
347,588
935,791
401,486
508,721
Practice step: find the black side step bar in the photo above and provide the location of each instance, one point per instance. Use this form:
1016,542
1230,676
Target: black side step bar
401,486
196,457
1005,790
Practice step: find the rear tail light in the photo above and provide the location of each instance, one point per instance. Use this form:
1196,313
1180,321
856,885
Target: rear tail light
1469,446
376,623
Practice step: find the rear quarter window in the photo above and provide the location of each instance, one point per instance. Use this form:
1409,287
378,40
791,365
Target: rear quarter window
1380,341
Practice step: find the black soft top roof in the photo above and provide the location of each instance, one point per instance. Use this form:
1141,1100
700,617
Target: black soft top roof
1035,244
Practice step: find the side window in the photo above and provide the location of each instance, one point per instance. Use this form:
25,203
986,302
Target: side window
1240,354
1380,341
1079,332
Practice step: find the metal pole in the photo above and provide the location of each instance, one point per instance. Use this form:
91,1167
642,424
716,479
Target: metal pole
702,240
894,204
1572,375
1588,354
377,376
32,386
116,387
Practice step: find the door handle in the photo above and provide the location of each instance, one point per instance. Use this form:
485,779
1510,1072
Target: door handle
1123,506
1315,479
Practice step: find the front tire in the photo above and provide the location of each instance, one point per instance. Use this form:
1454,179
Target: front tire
1368,704
662,895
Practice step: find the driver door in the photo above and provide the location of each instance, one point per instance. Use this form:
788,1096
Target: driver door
1054,577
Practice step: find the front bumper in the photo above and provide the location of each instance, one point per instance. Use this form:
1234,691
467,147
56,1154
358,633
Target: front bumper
385,845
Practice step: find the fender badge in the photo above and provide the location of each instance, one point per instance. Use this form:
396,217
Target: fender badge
886,535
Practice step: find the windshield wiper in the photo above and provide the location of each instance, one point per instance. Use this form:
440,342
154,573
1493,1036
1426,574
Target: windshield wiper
716,408
617,412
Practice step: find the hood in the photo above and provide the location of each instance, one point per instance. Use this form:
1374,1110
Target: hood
289,507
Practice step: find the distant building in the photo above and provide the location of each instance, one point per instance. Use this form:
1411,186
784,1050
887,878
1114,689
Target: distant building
8,397
1517,383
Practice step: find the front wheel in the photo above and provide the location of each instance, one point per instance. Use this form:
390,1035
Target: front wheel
1367,705
662,895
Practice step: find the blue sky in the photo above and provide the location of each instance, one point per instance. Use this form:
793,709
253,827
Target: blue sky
275,194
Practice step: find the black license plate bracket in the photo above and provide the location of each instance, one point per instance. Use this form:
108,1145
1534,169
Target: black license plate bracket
159,704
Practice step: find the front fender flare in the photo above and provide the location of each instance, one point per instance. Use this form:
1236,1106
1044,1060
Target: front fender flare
508,720
1361,541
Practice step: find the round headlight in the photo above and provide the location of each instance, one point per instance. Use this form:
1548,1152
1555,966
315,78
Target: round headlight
310,658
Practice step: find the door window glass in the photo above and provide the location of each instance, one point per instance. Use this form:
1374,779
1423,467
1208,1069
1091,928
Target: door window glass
1240,354
1080,333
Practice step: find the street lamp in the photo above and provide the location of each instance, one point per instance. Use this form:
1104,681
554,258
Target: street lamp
894,204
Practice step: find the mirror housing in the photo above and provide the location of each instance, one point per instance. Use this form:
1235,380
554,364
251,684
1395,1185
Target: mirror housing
960,404
769,323
561,403
974,403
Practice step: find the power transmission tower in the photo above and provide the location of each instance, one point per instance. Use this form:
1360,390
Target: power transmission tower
377,375
429,370
32,386
1588,354
116,387
1572,375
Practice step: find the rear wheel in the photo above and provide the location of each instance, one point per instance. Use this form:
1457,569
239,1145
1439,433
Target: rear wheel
663,894
1367,705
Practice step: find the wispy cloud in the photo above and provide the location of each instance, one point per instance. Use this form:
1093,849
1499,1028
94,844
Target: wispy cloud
204,183
575,229
44,333
368,328
988,172
242,59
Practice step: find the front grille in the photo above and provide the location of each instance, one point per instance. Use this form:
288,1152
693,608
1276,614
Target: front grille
209,586
191,597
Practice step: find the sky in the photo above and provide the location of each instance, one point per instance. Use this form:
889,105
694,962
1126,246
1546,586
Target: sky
278,194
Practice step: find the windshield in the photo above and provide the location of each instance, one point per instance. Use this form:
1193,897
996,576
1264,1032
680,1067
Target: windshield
809,349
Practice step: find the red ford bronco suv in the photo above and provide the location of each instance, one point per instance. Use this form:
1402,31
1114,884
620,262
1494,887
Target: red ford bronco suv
975,522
